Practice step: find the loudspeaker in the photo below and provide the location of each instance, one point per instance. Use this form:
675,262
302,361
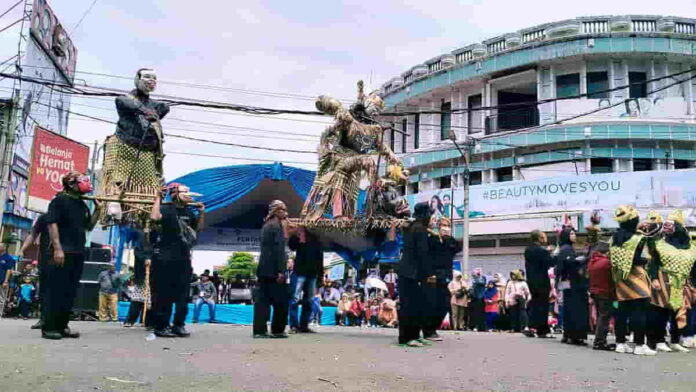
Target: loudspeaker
91,270
100,255
87,297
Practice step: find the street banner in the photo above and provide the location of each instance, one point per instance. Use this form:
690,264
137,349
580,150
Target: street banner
660,190
52,156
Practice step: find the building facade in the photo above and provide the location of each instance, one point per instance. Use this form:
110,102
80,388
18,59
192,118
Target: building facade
562,120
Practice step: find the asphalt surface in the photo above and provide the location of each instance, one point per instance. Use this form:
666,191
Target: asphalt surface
109,357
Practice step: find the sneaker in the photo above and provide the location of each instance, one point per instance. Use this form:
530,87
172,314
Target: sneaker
688,342
663,347
262,336
530,334
678,348
644,350
281,335
38,325
180,331
623,348
604,347
127,325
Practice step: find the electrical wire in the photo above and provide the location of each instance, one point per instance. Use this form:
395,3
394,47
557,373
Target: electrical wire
11,24
84,16
11,8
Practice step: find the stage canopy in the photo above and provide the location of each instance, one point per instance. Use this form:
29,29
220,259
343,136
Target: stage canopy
237,198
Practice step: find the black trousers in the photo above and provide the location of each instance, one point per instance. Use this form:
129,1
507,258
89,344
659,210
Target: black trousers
657,319
604,311
43,285
170,283
539,311
518,317
634,312
271,293
411,309
477,315
61,286
436,305
135,311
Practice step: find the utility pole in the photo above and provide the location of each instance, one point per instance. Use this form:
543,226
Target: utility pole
466,154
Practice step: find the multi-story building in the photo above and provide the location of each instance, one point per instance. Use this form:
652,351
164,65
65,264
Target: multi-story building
560,119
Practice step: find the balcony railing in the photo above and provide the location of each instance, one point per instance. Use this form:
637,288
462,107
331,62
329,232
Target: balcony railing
514,119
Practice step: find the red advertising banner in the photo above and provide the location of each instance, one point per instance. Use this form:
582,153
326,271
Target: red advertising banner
52,156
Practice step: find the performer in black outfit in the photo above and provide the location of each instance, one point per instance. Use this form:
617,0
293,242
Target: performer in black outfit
414,270
272,286
442,249
68,220
537,261
171,265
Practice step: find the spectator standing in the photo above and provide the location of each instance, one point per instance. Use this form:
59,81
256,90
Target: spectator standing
491,296
309,264
26,294
573,269
459,301
603,294
516,298
206,296
537,261
108,294
477,313
272,289
391,280
68,219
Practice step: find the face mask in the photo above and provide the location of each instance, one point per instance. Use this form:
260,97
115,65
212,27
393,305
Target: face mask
147,82
84,185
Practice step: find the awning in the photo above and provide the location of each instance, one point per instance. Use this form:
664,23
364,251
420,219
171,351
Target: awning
16,221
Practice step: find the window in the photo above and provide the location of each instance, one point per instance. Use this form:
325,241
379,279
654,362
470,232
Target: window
504,174
640,89
475,178
596,83
416,131
474,117
404,129
445,182
601,165
567,85
392,137
641,164
681,164
414,187
445,120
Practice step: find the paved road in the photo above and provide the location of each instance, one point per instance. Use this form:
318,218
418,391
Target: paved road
225,358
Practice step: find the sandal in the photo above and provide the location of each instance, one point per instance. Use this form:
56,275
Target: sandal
414,343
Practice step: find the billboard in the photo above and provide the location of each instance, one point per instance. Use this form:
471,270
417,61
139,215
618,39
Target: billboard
49,33
219,239
645,190
52,156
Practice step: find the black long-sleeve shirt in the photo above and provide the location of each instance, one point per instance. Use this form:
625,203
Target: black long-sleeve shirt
273,259
133,128
537,261
442,251
309,256
415,260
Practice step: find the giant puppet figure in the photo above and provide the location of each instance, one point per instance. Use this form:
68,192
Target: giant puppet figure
353,145
133,155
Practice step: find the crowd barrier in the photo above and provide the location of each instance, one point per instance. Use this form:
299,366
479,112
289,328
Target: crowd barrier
232,314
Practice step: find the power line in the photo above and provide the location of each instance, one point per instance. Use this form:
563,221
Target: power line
192,138
84,15
238,158
11,8
11,24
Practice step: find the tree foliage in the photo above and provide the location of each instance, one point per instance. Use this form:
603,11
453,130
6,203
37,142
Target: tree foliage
239,263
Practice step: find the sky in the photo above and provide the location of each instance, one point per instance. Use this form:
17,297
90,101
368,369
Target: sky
250,52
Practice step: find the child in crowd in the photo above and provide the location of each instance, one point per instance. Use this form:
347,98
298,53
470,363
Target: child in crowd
603,294
491,296
357,309
387,314
26,293
372,312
